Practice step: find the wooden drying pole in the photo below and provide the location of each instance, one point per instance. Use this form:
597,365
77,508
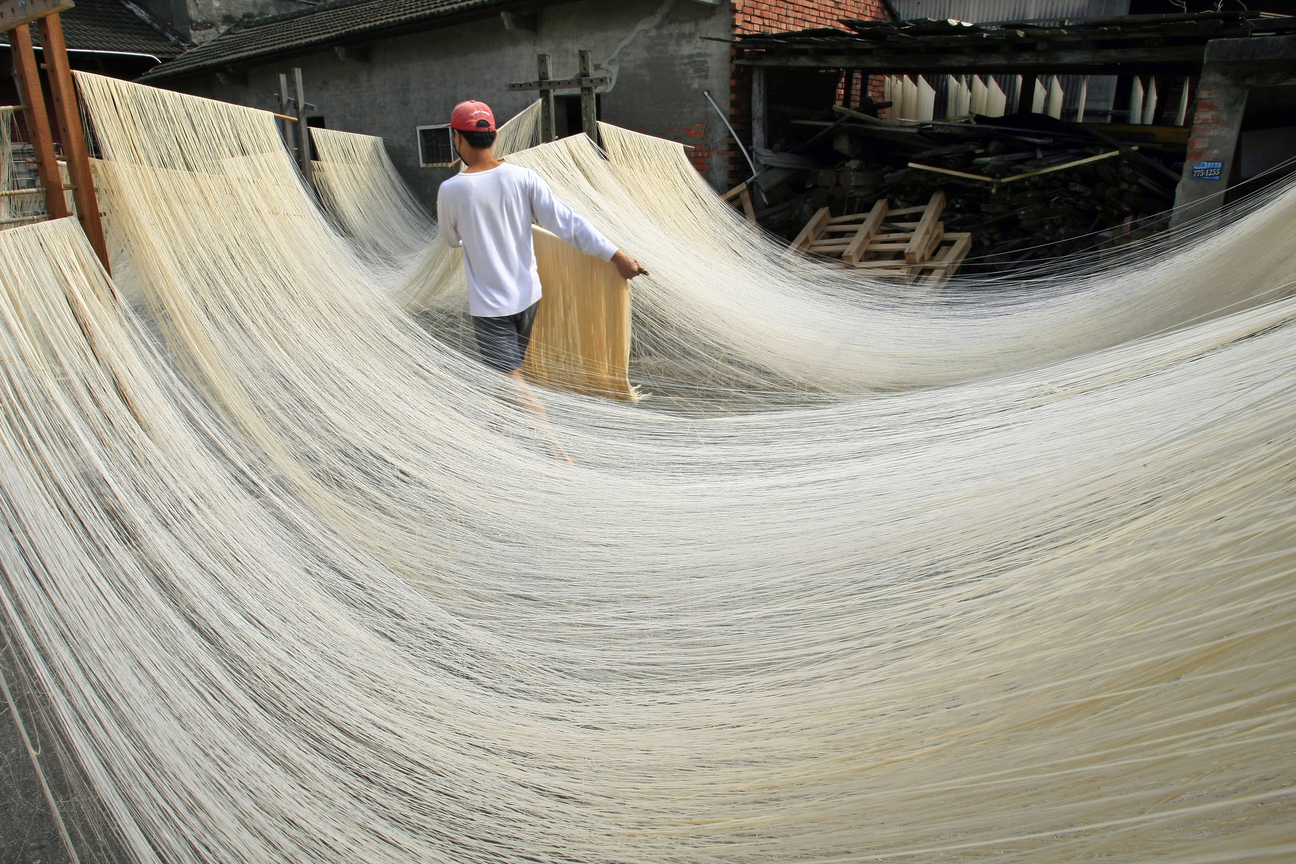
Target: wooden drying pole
586,81
283,111
303,128
548,114
15,16
302,133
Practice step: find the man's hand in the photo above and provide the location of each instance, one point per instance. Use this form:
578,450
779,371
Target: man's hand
628,267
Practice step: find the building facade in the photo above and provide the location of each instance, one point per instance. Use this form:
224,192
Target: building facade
387,67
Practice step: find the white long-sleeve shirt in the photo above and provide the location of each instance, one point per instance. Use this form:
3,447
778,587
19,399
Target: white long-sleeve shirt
489,214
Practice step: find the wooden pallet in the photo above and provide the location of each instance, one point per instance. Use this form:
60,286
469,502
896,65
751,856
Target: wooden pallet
882,243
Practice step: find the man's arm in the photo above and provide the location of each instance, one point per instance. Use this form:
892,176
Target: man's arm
555,216
446,225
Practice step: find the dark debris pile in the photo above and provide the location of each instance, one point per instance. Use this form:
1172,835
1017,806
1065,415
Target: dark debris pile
852,160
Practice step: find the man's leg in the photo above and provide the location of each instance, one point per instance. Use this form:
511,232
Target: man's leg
502,343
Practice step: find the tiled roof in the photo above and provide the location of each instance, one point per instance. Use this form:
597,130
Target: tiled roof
111,25
332,23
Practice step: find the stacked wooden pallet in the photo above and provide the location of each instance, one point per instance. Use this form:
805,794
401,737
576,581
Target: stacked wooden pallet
883,242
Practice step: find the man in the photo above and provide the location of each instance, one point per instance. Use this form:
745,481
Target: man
487,209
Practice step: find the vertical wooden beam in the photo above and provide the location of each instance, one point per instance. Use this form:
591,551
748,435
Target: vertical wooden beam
589,102
31,94
285,128
303,130
758,121
548,121
68,113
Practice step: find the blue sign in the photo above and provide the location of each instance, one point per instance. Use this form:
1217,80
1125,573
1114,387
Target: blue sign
1208,170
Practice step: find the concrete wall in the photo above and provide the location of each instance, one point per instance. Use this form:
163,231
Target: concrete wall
653,49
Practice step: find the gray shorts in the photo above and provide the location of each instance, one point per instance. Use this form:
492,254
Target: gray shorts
502,342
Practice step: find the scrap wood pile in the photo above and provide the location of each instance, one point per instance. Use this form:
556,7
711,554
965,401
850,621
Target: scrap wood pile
1026,187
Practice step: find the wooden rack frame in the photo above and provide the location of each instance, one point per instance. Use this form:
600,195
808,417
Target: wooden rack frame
15,16
908,249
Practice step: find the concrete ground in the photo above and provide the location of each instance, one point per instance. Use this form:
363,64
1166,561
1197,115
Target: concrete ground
28,832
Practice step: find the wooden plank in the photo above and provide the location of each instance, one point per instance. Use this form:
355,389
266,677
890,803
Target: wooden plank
734,192
963,174
859,243
954,257
905,211
563,83
743,194
14,13
946,264
63,94
937,235
811,231
916,251
749,208
38,121
1062,167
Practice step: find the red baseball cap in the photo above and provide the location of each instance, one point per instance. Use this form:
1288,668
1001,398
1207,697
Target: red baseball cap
472,116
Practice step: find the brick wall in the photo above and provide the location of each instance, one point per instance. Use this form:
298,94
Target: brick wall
776,16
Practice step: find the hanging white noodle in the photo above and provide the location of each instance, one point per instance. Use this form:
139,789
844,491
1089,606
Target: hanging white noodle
320,600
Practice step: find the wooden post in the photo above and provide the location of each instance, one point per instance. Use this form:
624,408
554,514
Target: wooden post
758,108
589,102
587,83
303,130
285,128
548,122
29,91
74,146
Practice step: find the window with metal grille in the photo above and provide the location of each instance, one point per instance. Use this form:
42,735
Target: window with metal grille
436,150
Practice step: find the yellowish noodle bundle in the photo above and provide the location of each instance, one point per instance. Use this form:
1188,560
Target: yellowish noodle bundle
581,340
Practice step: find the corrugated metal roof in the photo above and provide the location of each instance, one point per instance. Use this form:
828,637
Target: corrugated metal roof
978,11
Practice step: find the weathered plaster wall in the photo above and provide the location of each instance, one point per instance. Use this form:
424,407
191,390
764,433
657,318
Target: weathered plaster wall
653,49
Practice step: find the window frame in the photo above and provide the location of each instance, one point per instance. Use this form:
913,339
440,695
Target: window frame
418,132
